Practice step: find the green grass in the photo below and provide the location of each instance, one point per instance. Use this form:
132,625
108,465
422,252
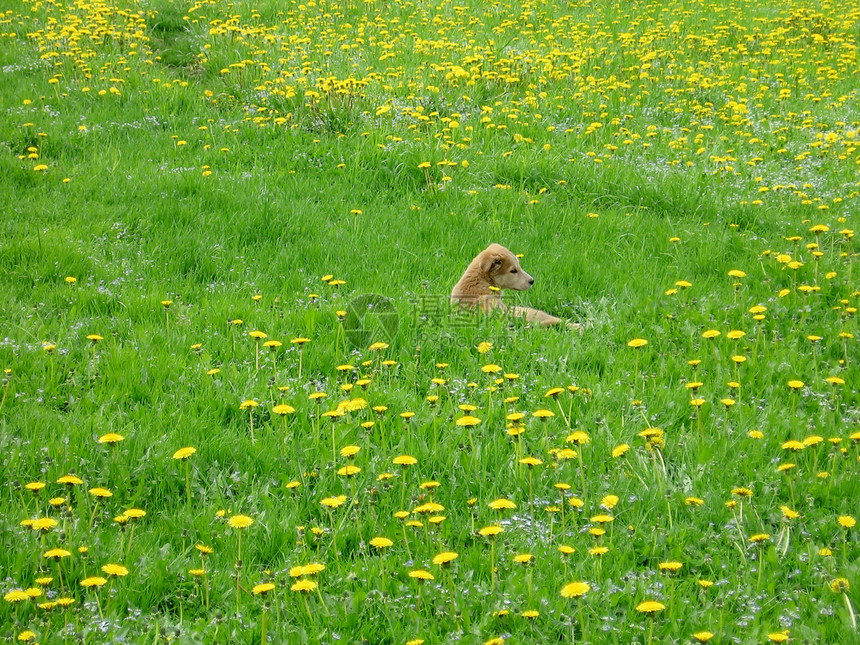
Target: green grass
226,158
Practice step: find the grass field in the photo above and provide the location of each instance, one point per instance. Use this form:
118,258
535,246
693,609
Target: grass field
237,407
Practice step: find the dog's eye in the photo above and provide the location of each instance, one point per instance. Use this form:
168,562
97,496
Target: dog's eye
513,270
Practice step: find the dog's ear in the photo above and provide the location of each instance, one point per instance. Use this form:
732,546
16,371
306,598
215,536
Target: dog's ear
492,262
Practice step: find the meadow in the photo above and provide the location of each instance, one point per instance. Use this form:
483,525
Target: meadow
236,406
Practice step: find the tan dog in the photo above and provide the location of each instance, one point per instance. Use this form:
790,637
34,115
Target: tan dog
496,268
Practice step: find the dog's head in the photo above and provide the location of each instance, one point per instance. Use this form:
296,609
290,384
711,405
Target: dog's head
503,268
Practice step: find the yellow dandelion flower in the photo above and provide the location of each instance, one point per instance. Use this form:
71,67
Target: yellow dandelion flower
240,521
333,502
262,588
304,585
184,453
789,513
349,451
56,554
575,589
115,570
579,437
846,521
445,557
313,568
381,542
93,581
44,524
620,450
839,585
650,607
490,531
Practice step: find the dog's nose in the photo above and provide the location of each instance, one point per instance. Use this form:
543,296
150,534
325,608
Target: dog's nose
531,281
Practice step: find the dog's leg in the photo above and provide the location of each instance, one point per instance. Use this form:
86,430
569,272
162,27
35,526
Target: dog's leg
490,303
541,317
535,315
